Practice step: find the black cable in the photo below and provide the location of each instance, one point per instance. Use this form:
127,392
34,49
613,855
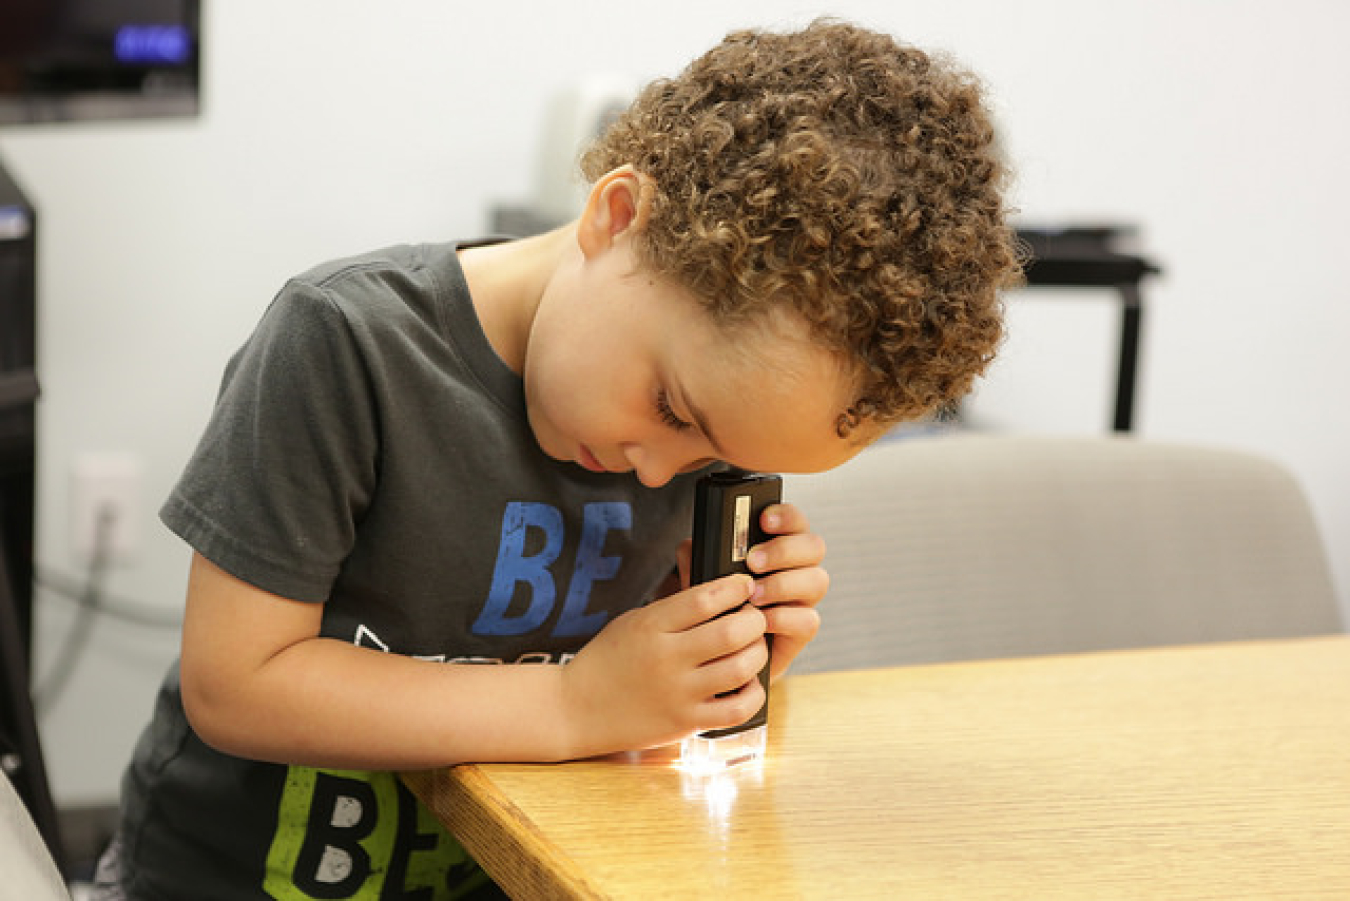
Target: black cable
71,589
47,690
90,601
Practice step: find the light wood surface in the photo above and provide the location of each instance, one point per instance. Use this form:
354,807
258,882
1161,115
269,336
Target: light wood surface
1218,771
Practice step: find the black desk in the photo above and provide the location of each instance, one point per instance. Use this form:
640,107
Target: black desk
1086,258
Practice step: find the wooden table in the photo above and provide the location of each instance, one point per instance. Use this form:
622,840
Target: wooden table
1219,771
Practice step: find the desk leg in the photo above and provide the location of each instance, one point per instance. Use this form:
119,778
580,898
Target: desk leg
1131,318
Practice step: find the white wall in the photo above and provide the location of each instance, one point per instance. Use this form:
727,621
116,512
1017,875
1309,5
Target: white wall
333,126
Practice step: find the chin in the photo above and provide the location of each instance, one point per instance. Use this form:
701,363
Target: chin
552,446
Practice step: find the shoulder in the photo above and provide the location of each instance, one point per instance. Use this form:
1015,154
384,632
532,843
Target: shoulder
390,288
398,270
405,258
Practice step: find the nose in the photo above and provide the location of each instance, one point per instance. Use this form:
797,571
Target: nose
653,468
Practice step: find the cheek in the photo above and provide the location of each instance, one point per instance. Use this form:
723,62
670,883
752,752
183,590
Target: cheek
563,401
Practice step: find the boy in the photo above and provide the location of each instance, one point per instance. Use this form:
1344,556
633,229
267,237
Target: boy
445,455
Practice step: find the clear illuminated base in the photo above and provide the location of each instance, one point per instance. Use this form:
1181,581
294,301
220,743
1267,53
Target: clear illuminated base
709,755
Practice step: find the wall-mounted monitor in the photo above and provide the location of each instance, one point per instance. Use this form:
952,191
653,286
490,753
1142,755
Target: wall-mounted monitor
73,60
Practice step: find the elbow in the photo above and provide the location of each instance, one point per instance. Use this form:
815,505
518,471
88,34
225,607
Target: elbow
210,713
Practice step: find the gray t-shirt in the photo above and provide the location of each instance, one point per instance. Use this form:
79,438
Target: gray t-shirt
370,452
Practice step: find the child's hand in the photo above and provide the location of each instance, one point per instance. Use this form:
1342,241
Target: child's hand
793,585
678,665
661,672
794,582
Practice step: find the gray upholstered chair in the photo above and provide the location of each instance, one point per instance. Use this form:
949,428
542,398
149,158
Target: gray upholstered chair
973,546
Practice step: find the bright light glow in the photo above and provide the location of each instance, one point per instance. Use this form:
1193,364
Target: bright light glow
719,788
699,755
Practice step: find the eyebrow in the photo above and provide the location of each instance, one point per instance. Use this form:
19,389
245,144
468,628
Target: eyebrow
699,419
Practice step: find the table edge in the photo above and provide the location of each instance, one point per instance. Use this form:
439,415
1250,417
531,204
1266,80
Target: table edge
498,835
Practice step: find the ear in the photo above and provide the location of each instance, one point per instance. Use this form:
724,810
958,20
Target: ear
619,203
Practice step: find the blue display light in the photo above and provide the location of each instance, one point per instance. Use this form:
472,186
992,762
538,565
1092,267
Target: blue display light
152,44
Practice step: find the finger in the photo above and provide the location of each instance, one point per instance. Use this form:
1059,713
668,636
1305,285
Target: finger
794,622
700,603
793,627
806,585
787,552
732,672
725,635
733,707
783,519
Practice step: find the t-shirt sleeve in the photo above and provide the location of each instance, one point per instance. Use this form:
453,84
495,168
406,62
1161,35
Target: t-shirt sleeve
277,485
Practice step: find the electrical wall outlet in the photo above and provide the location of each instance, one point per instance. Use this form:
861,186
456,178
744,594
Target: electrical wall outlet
105,506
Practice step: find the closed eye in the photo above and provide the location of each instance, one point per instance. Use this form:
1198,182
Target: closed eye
667,415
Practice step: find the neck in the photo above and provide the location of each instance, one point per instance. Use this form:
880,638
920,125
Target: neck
506,282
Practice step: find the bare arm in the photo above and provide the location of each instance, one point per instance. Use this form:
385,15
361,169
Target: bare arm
259,682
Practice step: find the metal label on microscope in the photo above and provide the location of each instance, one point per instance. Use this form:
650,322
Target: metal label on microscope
740,535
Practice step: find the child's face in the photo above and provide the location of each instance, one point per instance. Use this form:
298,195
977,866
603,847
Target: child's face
624,373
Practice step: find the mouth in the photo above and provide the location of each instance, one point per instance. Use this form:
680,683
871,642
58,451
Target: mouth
588,461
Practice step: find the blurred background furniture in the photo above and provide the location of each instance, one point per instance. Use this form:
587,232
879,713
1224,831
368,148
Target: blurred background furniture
20,748
18,391
22,767
27,870
968,546
1093,257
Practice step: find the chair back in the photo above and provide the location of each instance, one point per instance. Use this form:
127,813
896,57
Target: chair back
974,546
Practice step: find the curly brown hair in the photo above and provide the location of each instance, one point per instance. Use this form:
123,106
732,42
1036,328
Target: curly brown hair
856,179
